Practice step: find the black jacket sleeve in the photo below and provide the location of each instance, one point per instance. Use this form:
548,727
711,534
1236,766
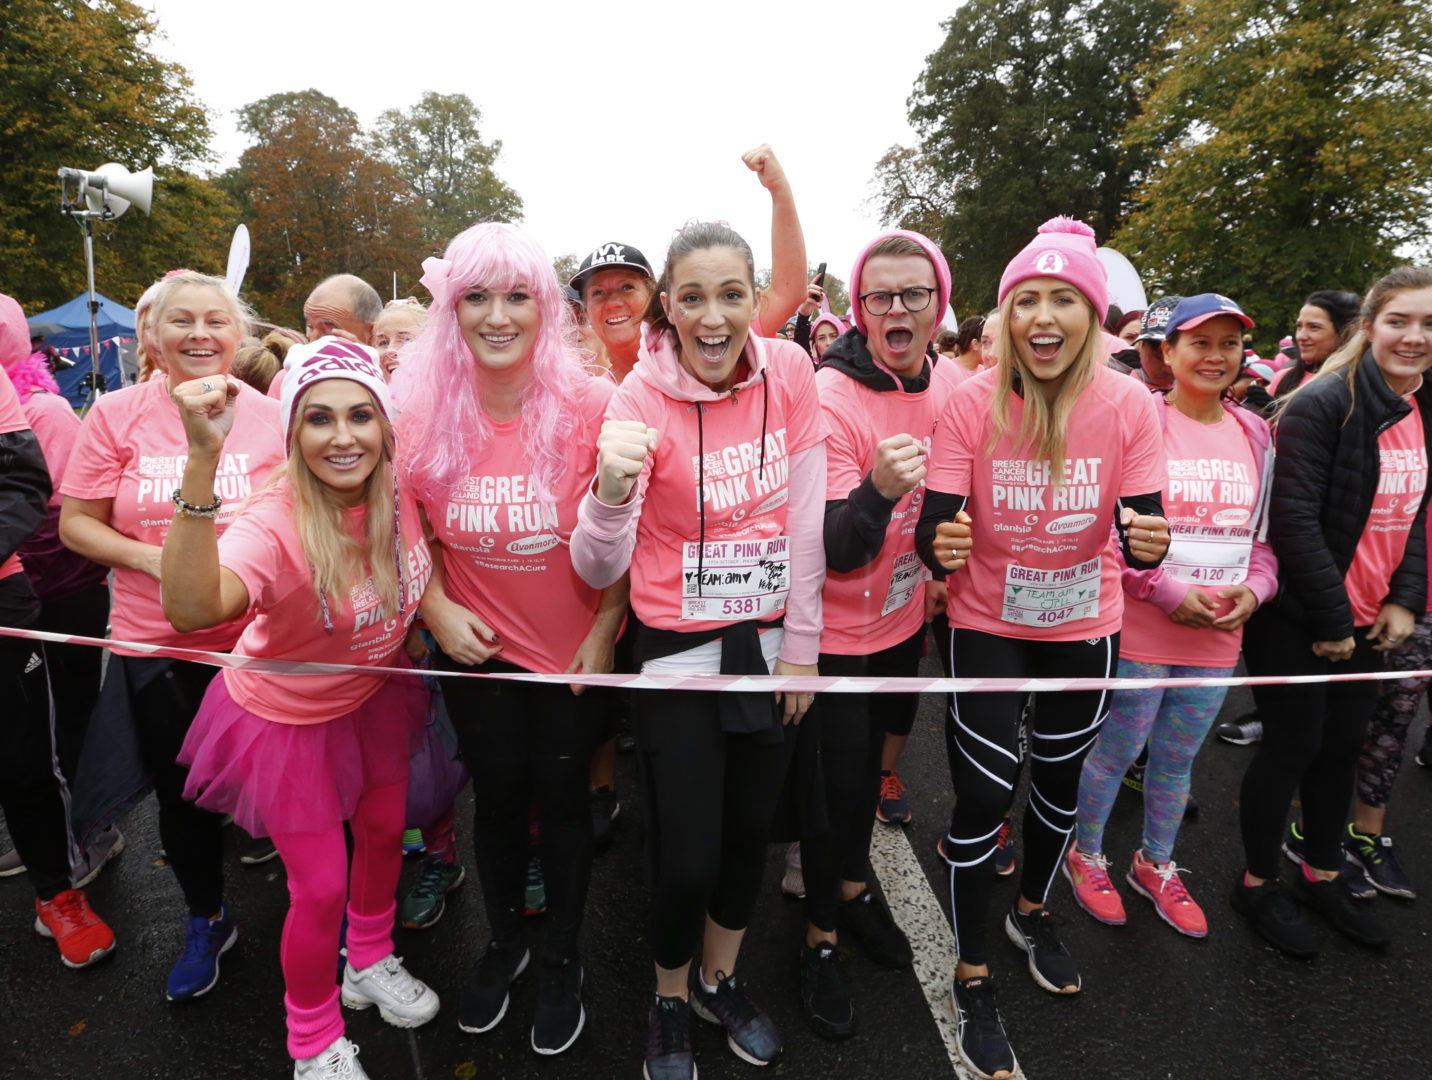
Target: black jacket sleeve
855,527
1141,504
24,489
939,506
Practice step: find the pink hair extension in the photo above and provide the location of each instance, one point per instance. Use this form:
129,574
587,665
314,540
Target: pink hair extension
31,374
443,433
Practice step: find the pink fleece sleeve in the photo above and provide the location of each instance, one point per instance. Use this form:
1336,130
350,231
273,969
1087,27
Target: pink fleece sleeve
603,540
805,521
1262,579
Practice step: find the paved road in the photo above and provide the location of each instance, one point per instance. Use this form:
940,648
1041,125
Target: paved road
1154,1004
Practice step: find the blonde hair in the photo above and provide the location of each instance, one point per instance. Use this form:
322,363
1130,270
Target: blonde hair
338,561
1043,430
149,313
1349,356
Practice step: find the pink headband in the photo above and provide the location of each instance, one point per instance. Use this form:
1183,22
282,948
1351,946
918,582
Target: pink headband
437,279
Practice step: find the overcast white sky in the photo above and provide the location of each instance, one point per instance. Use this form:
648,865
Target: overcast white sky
618,121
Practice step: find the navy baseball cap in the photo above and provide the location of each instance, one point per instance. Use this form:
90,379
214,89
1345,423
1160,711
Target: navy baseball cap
1195,310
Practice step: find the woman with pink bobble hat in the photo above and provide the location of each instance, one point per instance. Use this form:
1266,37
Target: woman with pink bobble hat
1030,464
331,563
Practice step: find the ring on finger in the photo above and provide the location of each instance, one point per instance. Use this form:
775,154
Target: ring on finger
208,386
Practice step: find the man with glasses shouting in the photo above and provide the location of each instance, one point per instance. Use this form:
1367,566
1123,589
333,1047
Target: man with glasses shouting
880,405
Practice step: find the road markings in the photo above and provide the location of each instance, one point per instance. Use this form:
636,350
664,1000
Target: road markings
917,910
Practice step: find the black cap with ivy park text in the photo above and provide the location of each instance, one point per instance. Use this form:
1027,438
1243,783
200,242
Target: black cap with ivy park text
610,256
1153,326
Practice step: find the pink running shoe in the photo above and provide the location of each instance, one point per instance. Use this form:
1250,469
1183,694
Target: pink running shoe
1161,884
1088,872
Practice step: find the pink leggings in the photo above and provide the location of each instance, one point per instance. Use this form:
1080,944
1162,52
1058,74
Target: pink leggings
317,866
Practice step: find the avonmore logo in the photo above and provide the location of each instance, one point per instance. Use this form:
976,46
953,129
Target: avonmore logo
532,545
1070,523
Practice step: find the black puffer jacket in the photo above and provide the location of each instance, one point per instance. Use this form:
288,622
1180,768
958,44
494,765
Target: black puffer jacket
1325,476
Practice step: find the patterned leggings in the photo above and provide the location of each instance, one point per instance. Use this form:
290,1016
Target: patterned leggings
1173,722
1397,701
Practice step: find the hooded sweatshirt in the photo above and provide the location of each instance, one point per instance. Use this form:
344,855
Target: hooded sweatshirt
874,586
724,524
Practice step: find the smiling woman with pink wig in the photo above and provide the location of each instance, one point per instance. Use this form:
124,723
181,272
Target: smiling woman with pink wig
499,428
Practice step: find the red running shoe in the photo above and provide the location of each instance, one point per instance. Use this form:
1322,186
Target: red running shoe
83,937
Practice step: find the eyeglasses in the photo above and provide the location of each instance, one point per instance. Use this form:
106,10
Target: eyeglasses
915,298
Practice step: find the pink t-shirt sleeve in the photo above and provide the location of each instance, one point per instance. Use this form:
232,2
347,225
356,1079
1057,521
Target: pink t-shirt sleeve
254,547
12,419
56,426
1145,470
957,428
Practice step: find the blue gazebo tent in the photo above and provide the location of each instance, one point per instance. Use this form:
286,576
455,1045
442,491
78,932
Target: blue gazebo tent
116,332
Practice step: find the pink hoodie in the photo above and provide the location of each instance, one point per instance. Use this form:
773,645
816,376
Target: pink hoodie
757,453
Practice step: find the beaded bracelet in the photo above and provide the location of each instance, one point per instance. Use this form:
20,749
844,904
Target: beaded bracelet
184,509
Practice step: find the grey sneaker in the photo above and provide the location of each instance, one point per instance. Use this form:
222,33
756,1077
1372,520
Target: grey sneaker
10,864
339,1061
402,1000
107,844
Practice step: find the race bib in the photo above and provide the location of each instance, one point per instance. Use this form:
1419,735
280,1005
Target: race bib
907,575
1051,597
735,580
1208,554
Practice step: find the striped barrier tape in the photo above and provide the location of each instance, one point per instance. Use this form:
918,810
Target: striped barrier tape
825,684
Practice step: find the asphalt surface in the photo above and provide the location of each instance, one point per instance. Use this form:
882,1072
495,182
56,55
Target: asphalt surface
1154,1004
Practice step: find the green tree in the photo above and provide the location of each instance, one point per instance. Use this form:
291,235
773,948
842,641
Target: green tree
437,149
1019,113
321,203
1296,147
79,86
565,266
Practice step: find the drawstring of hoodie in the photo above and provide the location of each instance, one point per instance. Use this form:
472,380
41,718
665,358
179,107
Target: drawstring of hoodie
701,498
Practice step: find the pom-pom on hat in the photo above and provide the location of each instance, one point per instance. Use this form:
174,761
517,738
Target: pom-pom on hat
330,358
931,250
1063,249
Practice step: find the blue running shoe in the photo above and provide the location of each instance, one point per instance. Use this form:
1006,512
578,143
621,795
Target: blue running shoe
750,1033
198,967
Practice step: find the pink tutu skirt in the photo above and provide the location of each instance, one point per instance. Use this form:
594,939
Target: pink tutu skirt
300,778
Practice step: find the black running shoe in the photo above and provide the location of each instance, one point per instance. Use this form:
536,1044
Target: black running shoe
1333,902
750,1033
825,1001
1377,856
560,1015
668,1041
1245,731
1049,961
1276,917
980,1036
868,919
485,994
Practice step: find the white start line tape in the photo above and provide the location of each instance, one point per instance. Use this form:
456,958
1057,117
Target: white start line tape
741,684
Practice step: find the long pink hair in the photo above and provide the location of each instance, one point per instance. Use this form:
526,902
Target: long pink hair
443,434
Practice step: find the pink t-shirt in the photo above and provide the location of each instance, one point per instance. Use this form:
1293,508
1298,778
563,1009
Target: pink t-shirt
12,419
1210,501
882,603
947,375
1043,564
262,547
132,449
56,426
506,560
1401,484
746,559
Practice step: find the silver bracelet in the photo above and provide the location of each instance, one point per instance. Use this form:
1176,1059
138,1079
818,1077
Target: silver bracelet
184,509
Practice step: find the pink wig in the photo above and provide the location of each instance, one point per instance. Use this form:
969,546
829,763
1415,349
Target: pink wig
443,434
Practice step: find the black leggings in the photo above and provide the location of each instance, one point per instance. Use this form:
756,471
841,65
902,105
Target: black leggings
193,839
74,669
852,735
1312,735
526,742
982,740
715,794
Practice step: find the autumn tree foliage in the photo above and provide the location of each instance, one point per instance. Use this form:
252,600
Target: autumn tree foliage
1294,145
319,202
1020,112
79,86
436,148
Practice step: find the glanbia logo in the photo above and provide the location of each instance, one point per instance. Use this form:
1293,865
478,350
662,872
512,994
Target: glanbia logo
532,545
1070,523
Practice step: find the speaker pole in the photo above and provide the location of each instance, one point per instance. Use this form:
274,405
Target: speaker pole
95,378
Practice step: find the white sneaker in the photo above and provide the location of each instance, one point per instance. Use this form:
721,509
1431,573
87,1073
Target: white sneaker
340,1059
402,1000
